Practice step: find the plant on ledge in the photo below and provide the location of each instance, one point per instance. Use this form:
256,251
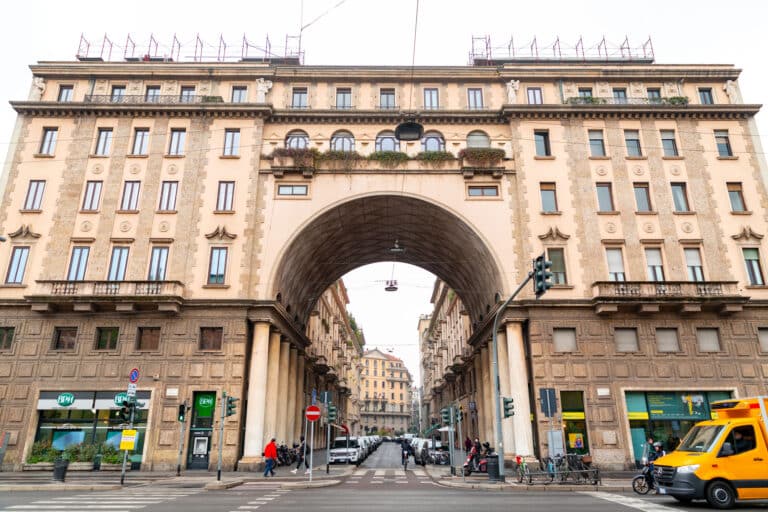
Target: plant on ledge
42,451
435,158
482,157
388,159
302,157
586,100
211,99
678,100
351,158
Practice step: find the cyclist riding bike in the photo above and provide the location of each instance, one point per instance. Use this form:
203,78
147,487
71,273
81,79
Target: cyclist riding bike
407,451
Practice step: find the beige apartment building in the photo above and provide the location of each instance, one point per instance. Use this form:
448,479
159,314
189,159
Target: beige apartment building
385,394
188,219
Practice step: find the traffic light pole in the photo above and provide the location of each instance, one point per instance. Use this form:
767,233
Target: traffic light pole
125,452
221,432
181,439
497,386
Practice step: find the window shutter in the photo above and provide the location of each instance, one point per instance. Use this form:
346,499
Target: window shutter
708,339
626,340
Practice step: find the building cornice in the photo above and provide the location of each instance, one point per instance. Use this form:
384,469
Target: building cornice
733,111
68,109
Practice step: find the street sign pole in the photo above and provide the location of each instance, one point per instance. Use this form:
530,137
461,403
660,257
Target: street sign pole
125,453
181,440
451,437
221,432
461,438
133,378
311,450
327,435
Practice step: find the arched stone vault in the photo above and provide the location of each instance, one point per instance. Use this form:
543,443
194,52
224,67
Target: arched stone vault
363,231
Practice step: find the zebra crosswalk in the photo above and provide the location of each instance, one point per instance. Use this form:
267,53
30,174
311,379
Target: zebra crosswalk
385,477
266,494
112,501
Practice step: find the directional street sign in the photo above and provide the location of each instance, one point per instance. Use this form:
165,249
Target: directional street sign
131,389
133,377
312,413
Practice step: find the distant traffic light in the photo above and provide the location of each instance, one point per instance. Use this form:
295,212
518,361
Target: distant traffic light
509,407
125,411
541,276
182,411
445,412
459,413
231,405
332,413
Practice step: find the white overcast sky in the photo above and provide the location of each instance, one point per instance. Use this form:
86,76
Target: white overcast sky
367,32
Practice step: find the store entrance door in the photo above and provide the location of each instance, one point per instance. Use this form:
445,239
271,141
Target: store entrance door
203,407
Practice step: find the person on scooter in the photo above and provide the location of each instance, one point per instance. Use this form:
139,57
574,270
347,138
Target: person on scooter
654,454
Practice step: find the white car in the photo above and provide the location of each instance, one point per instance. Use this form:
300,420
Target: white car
348,452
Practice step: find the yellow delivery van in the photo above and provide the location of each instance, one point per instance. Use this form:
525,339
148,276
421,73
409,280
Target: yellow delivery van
721,460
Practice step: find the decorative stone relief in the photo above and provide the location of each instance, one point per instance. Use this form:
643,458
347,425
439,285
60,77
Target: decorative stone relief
675,171
746,234
164,226
570,90
670,89
601,171
639,171
610,227
603,90
100,87
648,227
134,169
221,233
97,169
38,88
554,234
732,90
512,88
262,88
24,231
172,169
687,227
125,226
637,90
86,226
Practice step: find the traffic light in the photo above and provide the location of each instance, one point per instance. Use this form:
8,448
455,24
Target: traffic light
182,411
331,413
125,411
231,405
509,407
541,276
459,414
445,412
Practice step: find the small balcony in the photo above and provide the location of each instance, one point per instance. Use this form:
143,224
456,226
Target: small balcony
93,296
163,99
679,296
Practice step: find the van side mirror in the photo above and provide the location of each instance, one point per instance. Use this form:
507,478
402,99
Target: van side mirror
726,450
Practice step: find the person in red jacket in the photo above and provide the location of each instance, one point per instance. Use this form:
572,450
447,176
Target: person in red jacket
270,453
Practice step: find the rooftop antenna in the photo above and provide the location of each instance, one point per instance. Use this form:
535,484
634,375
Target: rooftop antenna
175,48
222,54
198,49
130,49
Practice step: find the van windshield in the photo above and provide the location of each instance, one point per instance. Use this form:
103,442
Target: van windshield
700,439
342,443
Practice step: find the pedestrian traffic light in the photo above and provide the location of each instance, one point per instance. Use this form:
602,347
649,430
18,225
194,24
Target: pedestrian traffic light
445,412
331,413
231,405
125,411
541,276
182,411
509,407
459,414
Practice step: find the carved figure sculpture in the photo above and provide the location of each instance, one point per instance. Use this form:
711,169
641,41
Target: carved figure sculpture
262,88
512,87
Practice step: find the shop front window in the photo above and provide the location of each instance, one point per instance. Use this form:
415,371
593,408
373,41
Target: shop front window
574,422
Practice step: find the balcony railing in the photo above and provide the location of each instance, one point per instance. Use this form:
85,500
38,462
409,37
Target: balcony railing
80,289
165,99
664,289
662,102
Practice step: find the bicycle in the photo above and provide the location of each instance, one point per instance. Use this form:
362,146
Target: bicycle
523,473
405,460
547,466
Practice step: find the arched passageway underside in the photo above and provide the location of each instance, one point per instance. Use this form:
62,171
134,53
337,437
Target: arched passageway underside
363,231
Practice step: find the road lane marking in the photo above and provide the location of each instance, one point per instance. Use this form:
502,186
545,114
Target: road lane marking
631,502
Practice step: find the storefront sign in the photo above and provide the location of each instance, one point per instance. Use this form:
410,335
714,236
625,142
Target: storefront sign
65,399
678,406
204,405
128,440
120,398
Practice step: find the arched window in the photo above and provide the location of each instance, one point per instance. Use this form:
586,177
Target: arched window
478,139
342,141
386,141
432,141
297,139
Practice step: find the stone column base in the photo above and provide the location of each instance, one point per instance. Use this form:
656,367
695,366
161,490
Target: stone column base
251,464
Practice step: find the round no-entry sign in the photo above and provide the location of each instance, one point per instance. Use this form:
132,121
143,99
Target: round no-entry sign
312,413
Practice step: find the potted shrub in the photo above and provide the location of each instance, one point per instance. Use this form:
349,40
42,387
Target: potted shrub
41,457
435,158
303,158
388,159
341,159
678,100
111,458
481,157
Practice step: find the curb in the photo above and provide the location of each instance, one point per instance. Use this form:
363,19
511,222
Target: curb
59,487
310,485
222,485
528,488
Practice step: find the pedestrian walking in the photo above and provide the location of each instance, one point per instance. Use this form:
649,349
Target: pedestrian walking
270,454
300,457
468,444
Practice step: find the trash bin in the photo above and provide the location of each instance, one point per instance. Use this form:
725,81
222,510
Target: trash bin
60,469
493,467
97,462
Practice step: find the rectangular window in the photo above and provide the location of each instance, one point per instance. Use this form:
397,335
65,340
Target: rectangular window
17,266
152,94
78,263
299,97
168,191
387,99
344,98
666,340
158,262
239,94
557,257
708,339
632,139
620,96
654,264
723,143
187,94
534,96
218,265
226,197
475,99
548,197
34,200
654,95
693,263
292,190
140,141
106,338
148,338
642,197
615,265
64,338
231,142
705,96
92,195
596,143
130,201
431,99
118,93
211,338
626,339
176,146
680,197
564,340
65,93
585,92
754,269
6,337
762,338
104,142
541,137
668,143
48,144
604,197
117,264
736,195
483,191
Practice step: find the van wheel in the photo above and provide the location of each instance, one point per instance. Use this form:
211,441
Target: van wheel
720,495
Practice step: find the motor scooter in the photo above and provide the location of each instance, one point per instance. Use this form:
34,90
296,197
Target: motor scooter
476,463
645,481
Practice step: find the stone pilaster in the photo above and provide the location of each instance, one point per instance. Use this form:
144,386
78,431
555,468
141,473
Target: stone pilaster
273,387
291,435
518,372
281,395
507,426
257,396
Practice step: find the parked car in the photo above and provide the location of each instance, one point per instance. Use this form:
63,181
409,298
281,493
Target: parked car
346,450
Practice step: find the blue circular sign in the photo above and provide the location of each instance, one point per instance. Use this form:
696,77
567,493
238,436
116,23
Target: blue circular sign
134,375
